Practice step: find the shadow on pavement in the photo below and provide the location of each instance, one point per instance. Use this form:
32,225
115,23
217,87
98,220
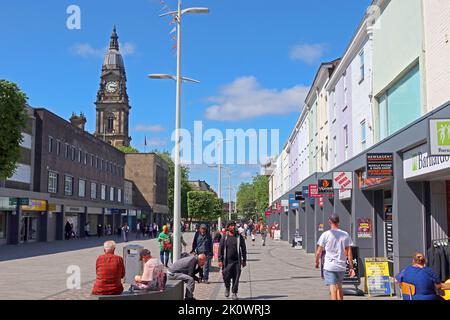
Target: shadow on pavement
29,250
267,297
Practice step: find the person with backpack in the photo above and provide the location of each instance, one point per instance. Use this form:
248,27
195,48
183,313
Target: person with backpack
165,245
232,256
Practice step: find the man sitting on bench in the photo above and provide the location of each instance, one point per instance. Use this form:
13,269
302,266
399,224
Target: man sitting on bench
152,278
185,269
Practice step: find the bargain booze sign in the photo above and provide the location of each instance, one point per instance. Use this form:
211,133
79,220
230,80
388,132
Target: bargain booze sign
342,180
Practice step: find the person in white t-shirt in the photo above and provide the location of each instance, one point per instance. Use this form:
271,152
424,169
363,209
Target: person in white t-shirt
338,249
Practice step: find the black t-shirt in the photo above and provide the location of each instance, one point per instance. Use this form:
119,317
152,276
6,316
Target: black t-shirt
232,249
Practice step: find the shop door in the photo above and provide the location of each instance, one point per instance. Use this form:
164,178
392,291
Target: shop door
28,229
388,225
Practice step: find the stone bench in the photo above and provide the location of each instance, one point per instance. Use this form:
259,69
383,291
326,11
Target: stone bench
174,291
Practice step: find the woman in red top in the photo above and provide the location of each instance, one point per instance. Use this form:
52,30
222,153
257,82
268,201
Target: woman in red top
110,271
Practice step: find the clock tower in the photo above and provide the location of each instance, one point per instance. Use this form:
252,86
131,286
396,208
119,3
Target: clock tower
112,103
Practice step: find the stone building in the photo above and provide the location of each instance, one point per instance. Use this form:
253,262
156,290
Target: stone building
149,173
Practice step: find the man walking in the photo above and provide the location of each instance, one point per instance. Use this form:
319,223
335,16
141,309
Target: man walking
185,269
232,255
338,249
125,230
138,230
203,244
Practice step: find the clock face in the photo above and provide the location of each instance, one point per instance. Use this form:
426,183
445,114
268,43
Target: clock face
112,86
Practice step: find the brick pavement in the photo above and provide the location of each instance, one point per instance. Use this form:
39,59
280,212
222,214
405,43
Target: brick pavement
274,272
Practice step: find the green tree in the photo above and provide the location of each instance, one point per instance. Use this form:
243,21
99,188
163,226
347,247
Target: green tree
246,202
217,208
200,205
13,118
261,189
128,149
185,186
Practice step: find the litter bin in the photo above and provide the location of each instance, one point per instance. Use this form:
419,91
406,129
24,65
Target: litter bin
133,267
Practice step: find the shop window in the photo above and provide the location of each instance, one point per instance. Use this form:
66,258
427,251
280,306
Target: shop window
401,105
111,194
52,182
363,135
2,225
68,185
82,188
93,190
50,144
103,192
58,147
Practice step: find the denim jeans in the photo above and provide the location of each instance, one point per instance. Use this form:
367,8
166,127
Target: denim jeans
164,257
205,271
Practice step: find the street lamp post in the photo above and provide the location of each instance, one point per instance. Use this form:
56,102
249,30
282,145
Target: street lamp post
179,79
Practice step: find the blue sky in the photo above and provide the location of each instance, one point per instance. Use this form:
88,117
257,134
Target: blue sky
255,60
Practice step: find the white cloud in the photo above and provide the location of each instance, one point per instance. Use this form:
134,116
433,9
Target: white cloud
156,142
308,53
246,174
149,128
245,99
85,50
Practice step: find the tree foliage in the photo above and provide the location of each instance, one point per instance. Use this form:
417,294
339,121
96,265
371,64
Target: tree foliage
13,118
185,186
204,205
253,198
128,149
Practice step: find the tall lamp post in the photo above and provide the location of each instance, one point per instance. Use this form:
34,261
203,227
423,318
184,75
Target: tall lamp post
179,79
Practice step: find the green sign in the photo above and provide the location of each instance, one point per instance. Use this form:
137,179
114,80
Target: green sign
22,201
443,132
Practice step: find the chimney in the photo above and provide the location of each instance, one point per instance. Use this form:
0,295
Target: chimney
78,121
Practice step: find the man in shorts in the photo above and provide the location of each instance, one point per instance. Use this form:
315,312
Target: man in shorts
338,249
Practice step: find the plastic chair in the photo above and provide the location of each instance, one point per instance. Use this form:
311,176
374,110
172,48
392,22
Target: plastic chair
408,289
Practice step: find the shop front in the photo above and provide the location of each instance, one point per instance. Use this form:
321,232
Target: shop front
94,218
73,217
6,209
33,221
434,171
132,219
55,222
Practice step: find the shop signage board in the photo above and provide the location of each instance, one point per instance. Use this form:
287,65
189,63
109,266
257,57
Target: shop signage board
5,204
35,205
345,194
74,209
313,191
277,235
299,196
292,202
342,180
418,162
389,232
439,137
378,278
365,230
380,165
268,213
325,188
21,201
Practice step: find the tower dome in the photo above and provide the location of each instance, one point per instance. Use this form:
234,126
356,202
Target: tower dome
113,59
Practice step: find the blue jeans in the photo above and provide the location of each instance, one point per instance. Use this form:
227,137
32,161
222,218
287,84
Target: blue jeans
164,257
206,268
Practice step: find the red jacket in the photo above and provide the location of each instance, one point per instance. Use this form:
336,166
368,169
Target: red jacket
110,271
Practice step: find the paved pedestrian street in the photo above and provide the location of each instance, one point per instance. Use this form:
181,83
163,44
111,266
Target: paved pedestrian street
39,271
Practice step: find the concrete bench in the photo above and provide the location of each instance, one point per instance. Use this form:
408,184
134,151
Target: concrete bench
174,291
